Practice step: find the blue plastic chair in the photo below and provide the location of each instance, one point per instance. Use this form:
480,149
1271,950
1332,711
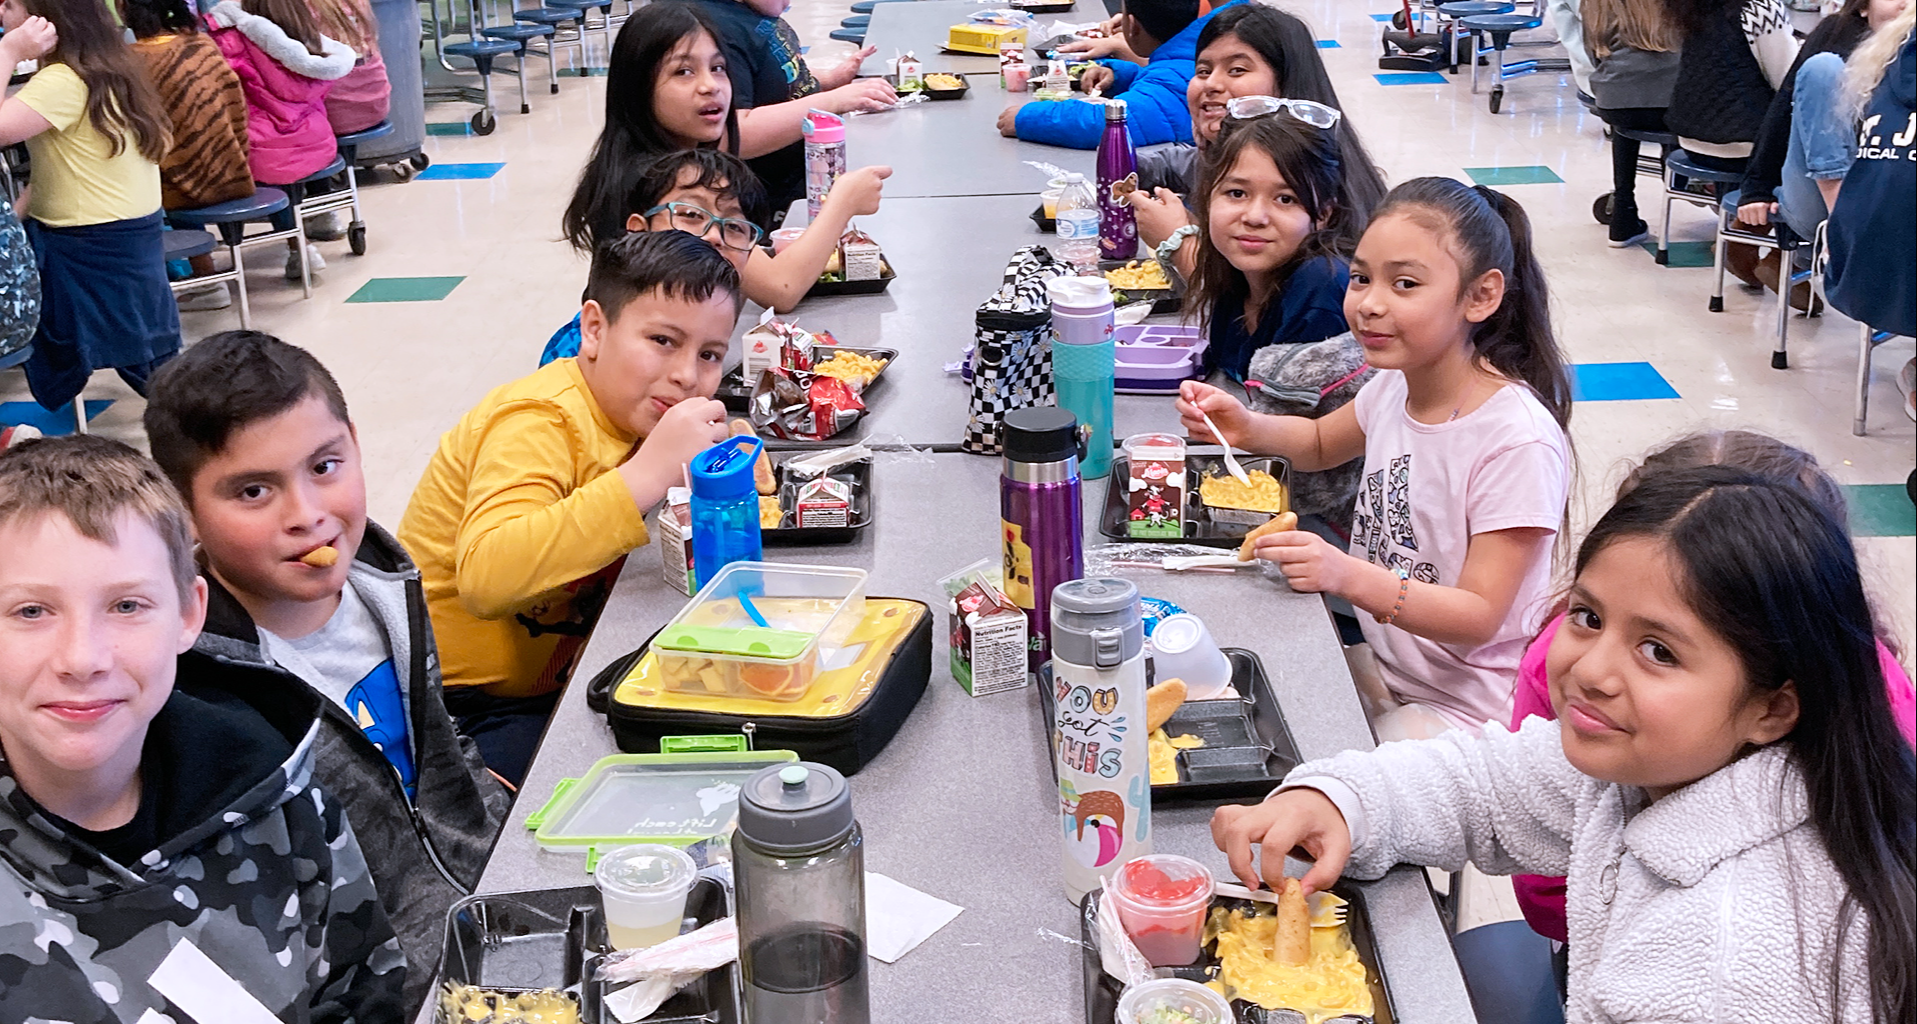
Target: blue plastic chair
1499,28
858,21
604,7
523,33
267,206
481,52
855,36
1449,13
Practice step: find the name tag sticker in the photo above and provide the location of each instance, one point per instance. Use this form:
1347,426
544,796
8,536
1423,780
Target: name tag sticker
197,985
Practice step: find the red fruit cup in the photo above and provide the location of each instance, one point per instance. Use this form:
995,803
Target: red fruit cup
1161,900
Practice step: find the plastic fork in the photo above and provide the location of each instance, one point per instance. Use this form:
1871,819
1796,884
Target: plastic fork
1231,461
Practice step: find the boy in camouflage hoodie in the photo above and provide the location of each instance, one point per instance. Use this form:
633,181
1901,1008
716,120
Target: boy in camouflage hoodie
150,797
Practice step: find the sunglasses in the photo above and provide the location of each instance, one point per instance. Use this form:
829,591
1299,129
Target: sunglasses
737,234
1317,115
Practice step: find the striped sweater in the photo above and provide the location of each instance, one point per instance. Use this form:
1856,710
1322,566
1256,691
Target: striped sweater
202,96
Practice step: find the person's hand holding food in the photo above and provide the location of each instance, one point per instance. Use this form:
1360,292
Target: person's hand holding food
1095,79
1294,819
1310,563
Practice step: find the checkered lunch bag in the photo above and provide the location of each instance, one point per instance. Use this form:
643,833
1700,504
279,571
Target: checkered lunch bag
19,283
1012,356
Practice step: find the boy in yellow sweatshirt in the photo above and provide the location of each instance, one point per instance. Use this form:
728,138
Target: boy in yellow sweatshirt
527,510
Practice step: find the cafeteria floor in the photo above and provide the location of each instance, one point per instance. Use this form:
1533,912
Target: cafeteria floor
465,278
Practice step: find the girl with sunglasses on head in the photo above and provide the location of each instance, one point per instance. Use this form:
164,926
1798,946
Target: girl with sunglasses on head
1466,464
713,195
1244,50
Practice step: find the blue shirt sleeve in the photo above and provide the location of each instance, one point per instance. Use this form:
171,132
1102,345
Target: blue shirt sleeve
1124,72
1074,124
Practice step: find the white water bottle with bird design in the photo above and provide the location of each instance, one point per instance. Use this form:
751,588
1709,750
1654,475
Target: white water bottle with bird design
1098,729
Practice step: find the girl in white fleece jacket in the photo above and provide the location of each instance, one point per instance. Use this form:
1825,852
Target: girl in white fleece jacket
1725,787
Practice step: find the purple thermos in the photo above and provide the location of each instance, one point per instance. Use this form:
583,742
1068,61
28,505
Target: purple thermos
1042,516
1117,228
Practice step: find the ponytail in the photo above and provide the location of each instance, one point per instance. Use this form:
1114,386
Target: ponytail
1490,231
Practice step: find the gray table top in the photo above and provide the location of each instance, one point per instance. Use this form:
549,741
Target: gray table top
960,803
949,255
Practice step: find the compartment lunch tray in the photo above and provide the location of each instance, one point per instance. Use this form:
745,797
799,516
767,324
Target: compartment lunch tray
1248,747
857,477
873,286
1200,527
965,84
1163,300
515,942
1102,990
736,393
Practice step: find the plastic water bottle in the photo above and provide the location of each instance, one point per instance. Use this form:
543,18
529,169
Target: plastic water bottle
1118,224
1078,224
725,507
824,157
1083,362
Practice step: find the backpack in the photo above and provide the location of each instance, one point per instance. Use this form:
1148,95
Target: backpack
19,283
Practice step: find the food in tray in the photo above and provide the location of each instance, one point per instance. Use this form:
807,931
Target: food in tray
764,480
853,368
1138,275
943,82
1279,523
1331,982
1161,701
771,514
1264,494
469,1004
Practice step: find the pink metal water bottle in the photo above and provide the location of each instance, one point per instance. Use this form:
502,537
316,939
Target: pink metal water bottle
1117,228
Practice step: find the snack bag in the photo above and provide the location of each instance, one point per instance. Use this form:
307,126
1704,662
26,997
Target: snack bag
796,405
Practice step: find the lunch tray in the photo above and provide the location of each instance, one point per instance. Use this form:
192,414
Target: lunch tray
736,393
1200,526
965,85
554,938
1044,7
873,287
1163,300
857,476
1248,747
1102,990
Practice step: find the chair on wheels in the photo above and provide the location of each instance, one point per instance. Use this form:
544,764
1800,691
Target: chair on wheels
268,206
604,7
481,52
1499,28
349,153
185,244
523,33
557,18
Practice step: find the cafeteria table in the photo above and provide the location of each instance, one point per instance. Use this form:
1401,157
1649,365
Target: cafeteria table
961,804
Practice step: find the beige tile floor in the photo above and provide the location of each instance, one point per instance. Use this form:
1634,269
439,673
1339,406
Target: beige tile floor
411,369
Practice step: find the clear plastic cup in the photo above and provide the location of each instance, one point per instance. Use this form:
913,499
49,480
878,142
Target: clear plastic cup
784,237
1182,648
1139,1001
643,888
1161,900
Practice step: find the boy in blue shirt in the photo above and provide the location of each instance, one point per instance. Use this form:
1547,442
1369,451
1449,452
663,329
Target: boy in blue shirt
1165,33
254,433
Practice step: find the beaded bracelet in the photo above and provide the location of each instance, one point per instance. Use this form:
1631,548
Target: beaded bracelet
1404,587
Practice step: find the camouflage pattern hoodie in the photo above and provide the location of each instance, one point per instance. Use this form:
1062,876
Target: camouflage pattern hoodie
244,856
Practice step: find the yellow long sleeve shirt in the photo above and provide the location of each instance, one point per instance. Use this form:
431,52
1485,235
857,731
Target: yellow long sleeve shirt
518,527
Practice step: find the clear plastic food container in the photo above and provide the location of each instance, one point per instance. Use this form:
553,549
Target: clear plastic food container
760,630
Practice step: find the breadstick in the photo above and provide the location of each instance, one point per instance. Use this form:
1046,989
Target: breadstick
1279,523
1161,701
1293,942
764,480
321,558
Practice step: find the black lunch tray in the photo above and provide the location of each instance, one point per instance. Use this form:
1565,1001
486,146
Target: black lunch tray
554,938
965,85
1102,990
1248,747
857,476
823,287
735,393
1163,300
1045,7
1200,527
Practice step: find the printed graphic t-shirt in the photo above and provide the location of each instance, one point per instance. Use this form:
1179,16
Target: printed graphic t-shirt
350,660
765,62
1428,488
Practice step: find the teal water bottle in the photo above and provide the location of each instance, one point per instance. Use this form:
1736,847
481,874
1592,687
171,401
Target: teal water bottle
1083,357
725,507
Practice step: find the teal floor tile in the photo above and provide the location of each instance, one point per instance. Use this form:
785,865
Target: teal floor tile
587,73
1685,254
405,289
57,423
449,128
1618,382
1411,78
460,172
1876,510
1532,174
1328,44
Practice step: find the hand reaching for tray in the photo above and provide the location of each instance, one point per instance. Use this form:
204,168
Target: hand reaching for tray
1301,819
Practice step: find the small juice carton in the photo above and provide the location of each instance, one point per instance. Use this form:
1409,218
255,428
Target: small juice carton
675,539
987,632
823,502
1155,489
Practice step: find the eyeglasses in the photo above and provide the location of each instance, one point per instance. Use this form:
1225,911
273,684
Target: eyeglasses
1317,115
733,233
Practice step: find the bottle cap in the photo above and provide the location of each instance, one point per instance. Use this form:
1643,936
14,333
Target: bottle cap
795,807
646,872
1044,433
1096,622
1079,293
1074,178
1114,110
823,127
723,472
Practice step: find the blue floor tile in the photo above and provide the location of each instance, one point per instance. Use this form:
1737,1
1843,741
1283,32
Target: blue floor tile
1880,510
459,172
1411,78
57,423
1328,44
449,128
1685,254
1618,382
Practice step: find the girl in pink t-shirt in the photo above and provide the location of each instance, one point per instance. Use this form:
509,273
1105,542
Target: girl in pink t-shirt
1466,463
1542,898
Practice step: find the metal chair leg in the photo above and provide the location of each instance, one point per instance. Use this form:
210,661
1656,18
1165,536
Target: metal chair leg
1865,343
80,413
519,72
1720,249
1780,359
239,284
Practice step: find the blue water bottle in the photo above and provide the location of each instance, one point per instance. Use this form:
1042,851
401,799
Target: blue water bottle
1083,362
725,507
